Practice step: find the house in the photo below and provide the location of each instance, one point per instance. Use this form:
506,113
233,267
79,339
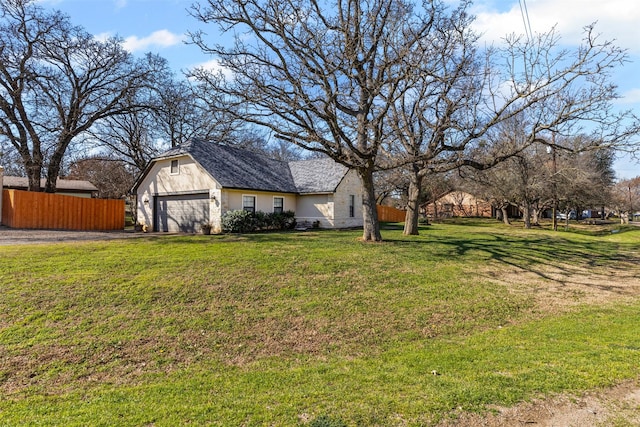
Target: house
199,181
65,187
458,204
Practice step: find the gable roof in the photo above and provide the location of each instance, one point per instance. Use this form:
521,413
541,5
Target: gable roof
317,175
237,168
18,182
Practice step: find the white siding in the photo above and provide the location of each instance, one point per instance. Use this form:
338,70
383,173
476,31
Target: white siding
351,184
191,179
332,210
232,200
316,207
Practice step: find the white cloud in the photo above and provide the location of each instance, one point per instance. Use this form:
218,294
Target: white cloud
103,37
214,66
630,97
161,38
616,19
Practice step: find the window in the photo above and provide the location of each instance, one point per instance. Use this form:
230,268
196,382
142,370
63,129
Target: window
175,167
249,203
278,204
352,206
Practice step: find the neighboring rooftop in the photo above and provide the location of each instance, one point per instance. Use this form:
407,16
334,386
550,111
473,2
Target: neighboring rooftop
18,183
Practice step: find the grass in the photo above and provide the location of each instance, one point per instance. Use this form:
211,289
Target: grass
290,329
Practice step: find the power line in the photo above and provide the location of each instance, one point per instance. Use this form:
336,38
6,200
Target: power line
525,19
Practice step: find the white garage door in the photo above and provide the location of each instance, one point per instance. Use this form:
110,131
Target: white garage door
185,212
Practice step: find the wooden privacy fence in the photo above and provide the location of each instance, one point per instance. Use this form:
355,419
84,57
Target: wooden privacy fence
390,214
26,209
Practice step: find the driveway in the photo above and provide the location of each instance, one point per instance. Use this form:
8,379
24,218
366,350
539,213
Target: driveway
12,236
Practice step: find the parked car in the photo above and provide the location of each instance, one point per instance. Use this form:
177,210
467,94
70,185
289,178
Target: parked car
563,215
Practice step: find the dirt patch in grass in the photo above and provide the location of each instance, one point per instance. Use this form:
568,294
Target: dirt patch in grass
615,406
557,287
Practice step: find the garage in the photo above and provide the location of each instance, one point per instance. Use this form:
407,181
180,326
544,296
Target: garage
181,213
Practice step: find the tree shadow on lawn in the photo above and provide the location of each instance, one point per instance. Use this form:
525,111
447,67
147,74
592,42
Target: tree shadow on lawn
602,265
256,237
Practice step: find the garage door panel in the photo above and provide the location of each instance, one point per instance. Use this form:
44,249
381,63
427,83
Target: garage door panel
183,213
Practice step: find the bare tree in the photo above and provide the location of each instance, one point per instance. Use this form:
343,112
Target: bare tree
626,198
582,179
537,179
321,75
257,140
111,176
436,99
168,113
56,81
129,137
448,117
10,159
391,187
350,78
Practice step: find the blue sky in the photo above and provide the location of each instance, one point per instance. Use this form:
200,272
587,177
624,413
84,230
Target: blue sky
160,26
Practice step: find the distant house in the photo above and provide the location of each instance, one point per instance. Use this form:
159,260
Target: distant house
65,187
458,204
198,182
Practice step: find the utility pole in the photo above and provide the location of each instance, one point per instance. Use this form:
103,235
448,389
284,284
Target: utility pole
630,215
554,210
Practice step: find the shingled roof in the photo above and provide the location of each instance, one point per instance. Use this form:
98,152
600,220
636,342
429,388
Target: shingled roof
317,175
237,168
19,182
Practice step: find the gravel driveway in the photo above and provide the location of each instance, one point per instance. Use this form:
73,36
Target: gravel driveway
12,236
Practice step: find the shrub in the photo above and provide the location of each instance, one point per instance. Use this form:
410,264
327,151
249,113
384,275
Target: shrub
239,221
263,220
283,221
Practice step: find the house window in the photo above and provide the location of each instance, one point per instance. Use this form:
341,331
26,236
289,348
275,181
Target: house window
249,203
278,204
352,206
175,167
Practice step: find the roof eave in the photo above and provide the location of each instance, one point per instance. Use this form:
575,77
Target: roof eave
259,189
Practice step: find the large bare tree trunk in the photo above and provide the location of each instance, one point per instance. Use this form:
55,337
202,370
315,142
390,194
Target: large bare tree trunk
370,225
53,170
33,174
505,215
413,204
536,216
526,213
32,165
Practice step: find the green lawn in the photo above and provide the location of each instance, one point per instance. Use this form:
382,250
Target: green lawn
294,328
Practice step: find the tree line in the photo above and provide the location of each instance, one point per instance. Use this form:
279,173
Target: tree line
75,106
385,87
